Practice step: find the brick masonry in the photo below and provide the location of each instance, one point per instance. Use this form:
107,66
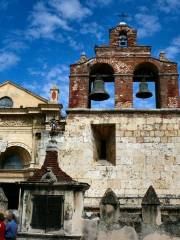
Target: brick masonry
124,62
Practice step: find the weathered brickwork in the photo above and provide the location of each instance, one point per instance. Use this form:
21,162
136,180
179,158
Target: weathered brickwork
124,62
114,35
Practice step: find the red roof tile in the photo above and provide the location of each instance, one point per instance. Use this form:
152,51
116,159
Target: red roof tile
51,160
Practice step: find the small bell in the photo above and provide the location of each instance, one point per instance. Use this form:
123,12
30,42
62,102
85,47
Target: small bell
98,92
143,91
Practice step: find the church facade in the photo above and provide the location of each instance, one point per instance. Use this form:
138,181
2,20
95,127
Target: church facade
108,173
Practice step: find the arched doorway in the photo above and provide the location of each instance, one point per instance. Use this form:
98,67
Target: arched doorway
14,159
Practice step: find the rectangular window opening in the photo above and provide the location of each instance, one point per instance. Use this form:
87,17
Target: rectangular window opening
104,142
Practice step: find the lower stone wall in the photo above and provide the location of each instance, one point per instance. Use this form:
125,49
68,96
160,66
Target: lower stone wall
150,222
28,236
95,231
129,233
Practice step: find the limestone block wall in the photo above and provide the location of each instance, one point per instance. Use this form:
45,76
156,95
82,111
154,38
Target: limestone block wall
147,145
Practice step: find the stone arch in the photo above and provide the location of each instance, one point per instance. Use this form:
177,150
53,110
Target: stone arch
15,158
101,68
19,144
146,67
119,67
144,73
101,76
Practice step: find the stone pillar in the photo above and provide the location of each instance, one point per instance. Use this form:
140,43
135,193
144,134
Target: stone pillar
151,208
161,92
173,92
123,91
109,207
168,91
79,92
78,211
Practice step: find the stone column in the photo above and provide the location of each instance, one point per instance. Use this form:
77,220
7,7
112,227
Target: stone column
109,207
151,208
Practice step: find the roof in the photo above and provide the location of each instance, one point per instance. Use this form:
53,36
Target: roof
150,198
51,161
24,89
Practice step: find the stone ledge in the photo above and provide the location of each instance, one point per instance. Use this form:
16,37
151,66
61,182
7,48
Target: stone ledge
121,111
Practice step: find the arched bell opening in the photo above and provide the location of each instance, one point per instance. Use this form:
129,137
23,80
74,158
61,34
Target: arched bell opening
15,158
123,40
146,86
101,86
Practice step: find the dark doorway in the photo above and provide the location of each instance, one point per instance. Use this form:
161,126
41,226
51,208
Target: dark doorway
11,191
47,212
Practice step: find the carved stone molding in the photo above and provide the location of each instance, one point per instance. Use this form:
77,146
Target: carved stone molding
15,121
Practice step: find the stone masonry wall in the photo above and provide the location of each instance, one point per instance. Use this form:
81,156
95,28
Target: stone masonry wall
147,153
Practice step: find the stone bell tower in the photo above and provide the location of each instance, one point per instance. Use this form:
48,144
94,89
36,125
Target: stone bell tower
124,62
132,155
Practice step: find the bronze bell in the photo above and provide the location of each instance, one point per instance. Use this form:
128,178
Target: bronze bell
143,91
98,92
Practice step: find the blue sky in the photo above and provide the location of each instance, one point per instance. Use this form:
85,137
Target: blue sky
40,38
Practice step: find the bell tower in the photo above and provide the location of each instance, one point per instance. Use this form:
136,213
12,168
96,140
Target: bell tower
122,36
123,63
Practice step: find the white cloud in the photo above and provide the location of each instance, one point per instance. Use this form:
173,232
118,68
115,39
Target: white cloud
148,24
57,75
14,41
168,5
174,49
92,28
7,60
76,45
50,16
70,9
44,23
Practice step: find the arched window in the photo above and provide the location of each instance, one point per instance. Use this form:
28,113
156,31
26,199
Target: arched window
123,39
6,102
15,158
12,162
